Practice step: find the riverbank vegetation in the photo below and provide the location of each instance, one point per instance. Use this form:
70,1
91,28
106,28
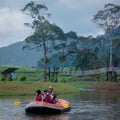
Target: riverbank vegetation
106,86
27,88
30,79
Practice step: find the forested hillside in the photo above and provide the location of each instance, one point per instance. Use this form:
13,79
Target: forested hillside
95,49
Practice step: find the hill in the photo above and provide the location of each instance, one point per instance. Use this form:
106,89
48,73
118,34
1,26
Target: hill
15,55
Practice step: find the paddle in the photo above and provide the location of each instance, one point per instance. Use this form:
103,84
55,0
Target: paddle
16,103
64,103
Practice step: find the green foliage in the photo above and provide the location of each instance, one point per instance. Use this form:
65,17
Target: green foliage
71,35
43,31
23,78
63,80
52,31
86,59
47,60
46,32
3,78
109,18
7,78
36,12
62,58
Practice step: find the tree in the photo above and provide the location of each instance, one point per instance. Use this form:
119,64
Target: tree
65,47
108,19
44,34
102,49
86,59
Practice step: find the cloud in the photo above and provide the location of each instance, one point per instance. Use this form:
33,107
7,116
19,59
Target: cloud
11,26
75,15
10,20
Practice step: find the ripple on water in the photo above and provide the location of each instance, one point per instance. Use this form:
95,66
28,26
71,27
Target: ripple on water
94,110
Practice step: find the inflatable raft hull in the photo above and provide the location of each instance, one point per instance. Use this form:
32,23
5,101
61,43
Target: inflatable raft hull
43,107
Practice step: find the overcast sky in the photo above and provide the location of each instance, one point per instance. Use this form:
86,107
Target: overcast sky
70,15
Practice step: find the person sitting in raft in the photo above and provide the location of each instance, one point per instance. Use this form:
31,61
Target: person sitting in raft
47,97
52,94
39,95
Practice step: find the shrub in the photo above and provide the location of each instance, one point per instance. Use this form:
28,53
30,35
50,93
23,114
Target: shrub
2,78
23,78
63,80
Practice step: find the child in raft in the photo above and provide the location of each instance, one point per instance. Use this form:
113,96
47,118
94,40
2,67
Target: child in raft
47,97
38,96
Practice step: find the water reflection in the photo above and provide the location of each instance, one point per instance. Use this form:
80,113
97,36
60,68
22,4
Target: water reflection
96,105
87,105
48,117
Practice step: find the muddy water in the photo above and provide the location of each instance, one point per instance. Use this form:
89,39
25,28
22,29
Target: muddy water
88,105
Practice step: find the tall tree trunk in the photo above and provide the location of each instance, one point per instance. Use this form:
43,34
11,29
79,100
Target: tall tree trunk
111,51
112,72
110,66
45,61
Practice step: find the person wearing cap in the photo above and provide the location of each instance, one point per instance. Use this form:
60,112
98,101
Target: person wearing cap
52,94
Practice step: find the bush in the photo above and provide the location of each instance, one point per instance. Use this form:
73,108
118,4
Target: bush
23,78
2,78
63,80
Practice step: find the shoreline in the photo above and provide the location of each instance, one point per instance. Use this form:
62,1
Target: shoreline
17,88
111,86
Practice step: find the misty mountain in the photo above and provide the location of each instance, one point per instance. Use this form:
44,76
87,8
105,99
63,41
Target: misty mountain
16,56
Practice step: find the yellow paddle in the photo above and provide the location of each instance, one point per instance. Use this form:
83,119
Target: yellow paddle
64,104
16,103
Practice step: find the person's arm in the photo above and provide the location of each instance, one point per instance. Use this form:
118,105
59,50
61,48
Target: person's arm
35,97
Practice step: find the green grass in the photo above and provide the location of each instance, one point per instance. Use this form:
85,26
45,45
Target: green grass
82,84
28,88
66,83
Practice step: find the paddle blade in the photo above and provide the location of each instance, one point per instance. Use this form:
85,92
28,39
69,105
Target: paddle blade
16,103
64,103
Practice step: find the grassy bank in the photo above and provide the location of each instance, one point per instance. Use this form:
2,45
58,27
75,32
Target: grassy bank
66,83
18,88
106,86
28,88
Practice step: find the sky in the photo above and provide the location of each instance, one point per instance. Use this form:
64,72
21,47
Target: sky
70,15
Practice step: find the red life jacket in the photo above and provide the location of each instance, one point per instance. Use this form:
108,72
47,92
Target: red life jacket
48,99
38,97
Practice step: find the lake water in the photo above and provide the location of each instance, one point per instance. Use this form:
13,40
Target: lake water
87,105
